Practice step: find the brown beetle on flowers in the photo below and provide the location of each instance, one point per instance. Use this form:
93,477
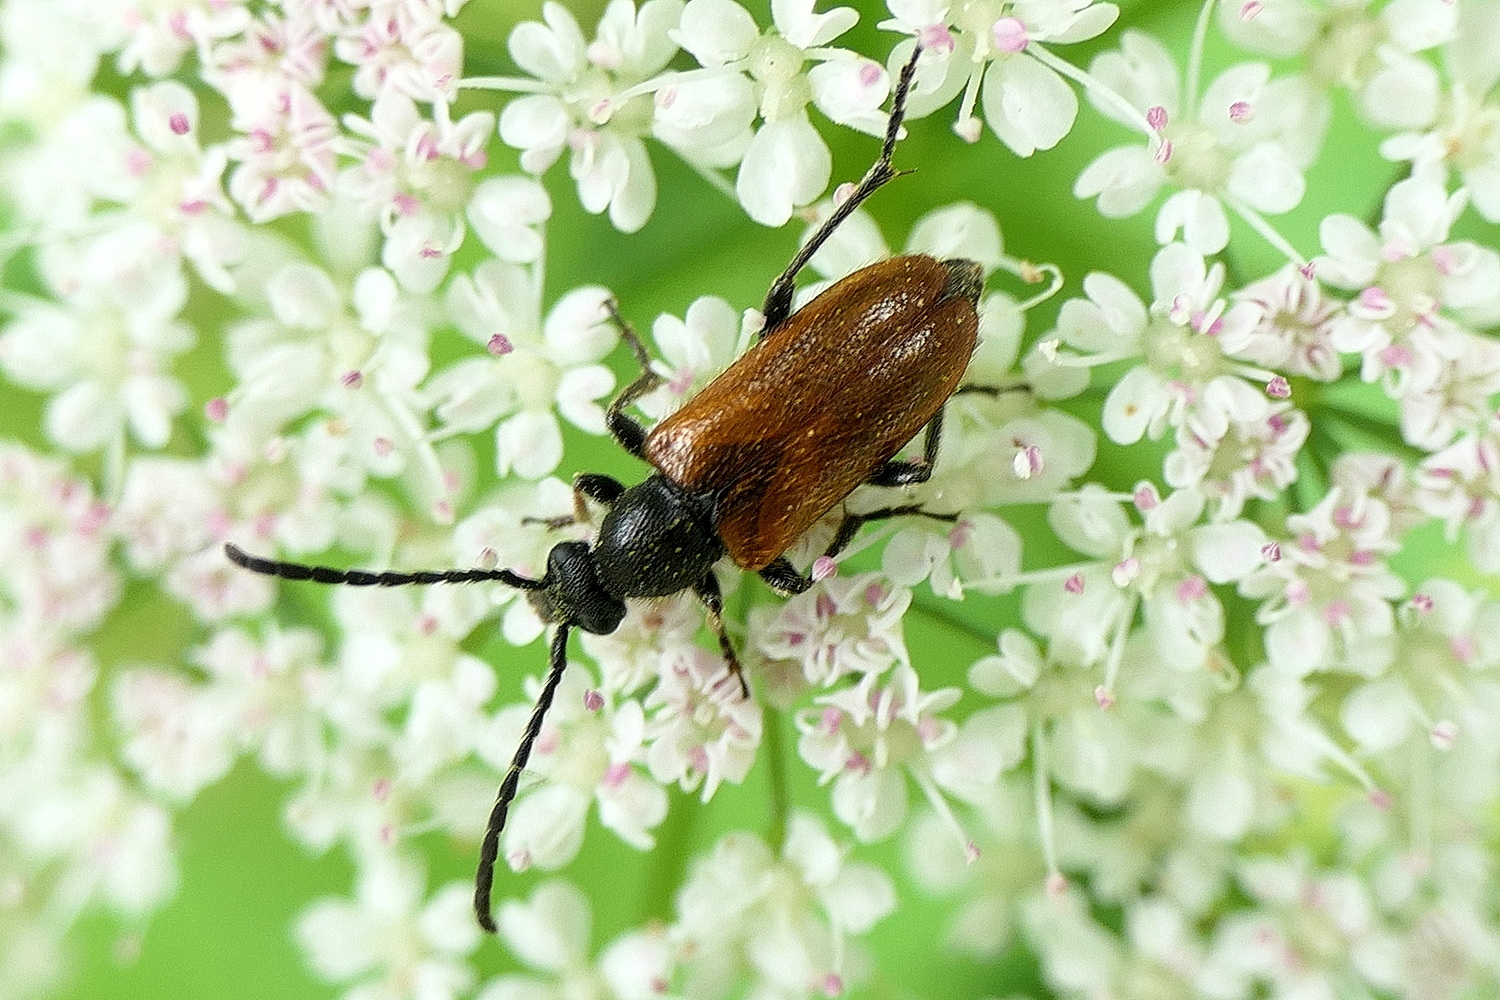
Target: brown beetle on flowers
820,405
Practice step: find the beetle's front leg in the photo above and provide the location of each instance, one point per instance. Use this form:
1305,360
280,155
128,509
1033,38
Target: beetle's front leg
626,430
712,597
603,490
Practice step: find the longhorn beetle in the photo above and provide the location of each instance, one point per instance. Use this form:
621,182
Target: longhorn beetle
819,405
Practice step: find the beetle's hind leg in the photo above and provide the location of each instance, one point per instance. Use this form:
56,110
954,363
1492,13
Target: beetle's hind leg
778,304
712,597
626,430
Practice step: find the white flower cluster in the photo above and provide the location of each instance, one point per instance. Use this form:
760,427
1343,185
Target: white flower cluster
1234,543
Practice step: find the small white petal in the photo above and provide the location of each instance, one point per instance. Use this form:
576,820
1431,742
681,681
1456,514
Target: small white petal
578,330
634,196
1353,252
1028,105
537,123
800,26
716,31
546,827
787,166
1125,179
850,91
550,931
530,444
503,211
578,393
84,417
1403,93
1133,404
1199,216
1266,179
961,230
555,51
303,296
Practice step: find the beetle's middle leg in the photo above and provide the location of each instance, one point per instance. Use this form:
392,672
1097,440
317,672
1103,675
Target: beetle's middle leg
712,597
778,304
626,430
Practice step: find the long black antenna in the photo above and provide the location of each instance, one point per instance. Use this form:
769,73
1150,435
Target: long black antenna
484,878
778,304
361,578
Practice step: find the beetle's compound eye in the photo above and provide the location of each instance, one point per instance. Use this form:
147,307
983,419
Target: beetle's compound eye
570,592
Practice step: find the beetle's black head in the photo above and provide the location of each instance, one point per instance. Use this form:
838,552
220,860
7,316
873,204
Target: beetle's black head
570,592
657,539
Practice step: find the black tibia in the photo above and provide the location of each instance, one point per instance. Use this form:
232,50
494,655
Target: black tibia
626,430
909,473
708,592
782,577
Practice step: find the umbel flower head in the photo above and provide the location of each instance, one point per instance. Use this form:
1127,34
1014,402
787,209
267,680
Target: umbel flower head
1178,676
